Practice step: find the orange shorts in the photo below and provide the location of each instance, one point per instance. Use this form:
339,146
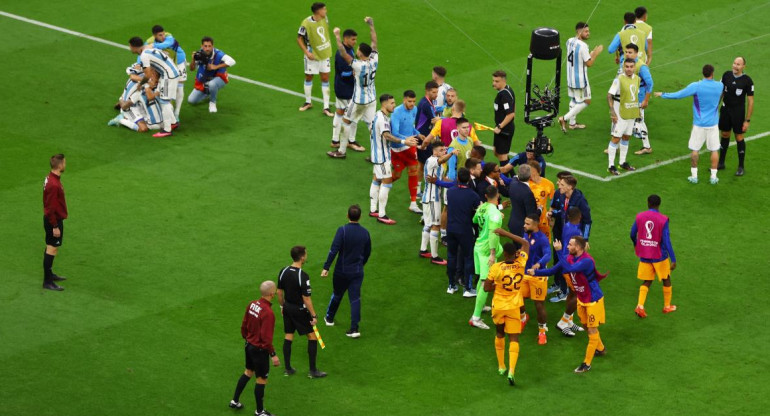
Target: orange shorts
403,159
508,317
591,314
647,271
534,287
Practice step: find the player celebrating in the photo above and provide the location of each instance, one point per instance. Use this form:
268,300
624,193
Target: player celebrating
533,287
156,59
431,204
313,39
652,242
165,41
344,84
543,190
590,299
578,60
364,92
381,158
738,88
505,278
626,88
487,249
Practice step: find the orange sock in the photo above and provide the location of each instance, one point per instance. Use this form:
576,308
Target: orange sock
513,356
593,342
500,351
600,346
667,296
643,294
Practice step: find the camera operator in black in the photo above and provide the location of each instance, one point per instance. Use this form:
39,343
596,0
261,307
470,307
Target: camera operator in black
297,310
211,64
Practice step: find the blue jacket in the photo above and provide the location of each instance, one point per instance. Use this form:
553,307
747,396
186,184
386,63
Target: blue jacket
462,201
577,200
353,244
522,204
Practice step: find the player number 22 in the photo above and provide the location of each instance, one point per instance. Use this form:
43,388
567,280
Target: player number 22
514,281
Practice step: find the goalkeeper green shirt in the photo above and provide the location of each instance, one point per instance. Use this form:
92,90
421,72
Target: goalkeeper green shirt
489,218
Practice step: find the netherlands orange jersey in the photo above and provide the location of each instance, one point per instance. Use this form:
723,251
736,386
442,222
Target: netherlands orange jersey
543,192
508,278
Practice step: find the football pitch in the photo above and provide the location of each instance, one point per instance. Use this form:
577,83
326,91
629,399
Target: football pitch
168,239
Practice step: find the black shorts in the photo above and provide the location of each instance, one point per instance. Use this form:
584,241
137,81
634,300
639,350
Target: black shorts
732,119
423,155
257,360
503,142
50,240
296,320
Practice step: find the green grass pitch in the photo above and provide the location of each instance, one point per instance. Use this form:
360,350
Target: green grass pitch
168,239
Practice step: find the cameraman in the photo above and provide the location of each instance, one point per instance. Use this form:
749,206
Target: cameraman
212,67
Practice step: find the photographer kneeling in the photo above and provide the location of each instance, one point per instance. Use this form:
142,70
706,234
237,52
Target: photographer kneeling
212,67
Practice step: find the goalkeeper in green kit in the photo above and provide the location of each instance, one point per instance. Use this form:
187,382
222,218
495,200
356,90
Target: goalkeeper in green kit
487,250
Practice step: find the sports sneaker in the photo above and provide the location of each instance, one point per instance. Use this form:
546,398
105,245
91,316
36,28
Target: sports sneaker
263,413
57,278
486,308
627,166
502,371
577,126
357,147
52,286
328,113
714,181
669,309
563,125
289,371
643,151
328,322
470,293
553,288
174,126
115,121
162,134
511,380
582,368
414,208
524,322
438,260
306,106
601,353
565,328
353,333
425,253
451,290
385,220
575,328
318,373
542,338
212,107
561,297
640,312
692,179
335,145
740,172
235,405
336,154
613,170
478,323
374,214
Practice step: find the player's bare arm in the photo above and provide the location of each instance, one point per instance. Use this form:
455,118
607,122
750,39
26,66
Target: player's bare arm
594,53
749,112
489,285
372,33
409,141
508,119
301,43
613,116
281,299
341,48
309,305
649,51
443,159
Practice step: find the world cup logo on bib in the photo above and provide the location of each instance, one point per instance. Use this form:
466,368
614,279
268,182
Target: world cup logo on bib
649,225
633,90
635,39
322,33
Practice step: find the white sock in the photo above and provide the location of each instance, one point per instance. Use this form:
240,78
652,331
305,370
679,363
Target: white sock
646,142
308,91
713,173
179,99
167,110
130,124
353,130
434,243
623,151
384,191
419,186
574,111
443,233
611,150
694,172
571,118
336,127
374,195
325,92
425,238
345,129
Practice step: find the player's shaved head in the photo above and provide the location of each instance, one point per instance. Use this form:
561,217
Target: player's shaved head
653,201
354,213
629,18
479,149
574,214
267,288
491,193
297,252
509,250
708,71
409,94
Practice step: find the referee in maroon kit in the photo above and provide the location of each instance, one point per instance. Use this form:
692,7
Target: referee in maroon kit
55,211
257,329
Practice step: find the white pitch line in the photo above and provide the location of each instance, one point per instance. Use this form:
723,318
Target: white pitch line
290,92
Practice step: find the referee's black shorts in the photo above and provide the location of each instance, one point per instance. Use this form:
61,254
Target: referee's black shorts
503,142
257,360
50,240
296,320
731,119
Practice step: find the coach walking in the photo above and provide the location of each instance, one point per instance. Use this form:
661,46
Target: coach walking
55,211
353,244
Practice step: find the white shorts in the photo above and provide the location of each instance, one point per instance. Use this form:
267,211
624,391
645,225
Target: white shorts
341,103
443,196
431,213
182,71
167,88
383,170
707,135
580,94
357,112
623,127
317,67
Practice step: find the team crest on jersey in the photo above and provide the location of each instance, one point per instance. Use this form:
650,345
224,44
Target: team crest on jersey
738,91
542,193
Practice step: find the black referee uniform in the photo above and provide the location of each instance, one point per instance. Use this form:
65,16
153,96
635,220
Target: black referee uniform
505,104
732,115
295,284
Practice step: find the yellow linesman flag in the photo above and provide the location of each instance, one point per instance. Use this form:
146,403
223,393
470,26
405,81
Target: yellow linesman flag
481,127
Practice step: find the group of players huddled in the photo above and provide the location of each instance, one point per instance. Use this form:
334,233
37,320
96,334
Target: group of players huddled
154,91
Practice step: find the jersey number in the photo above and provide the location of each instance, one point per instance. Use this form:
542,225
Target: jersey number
571,58
368,79
514,281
